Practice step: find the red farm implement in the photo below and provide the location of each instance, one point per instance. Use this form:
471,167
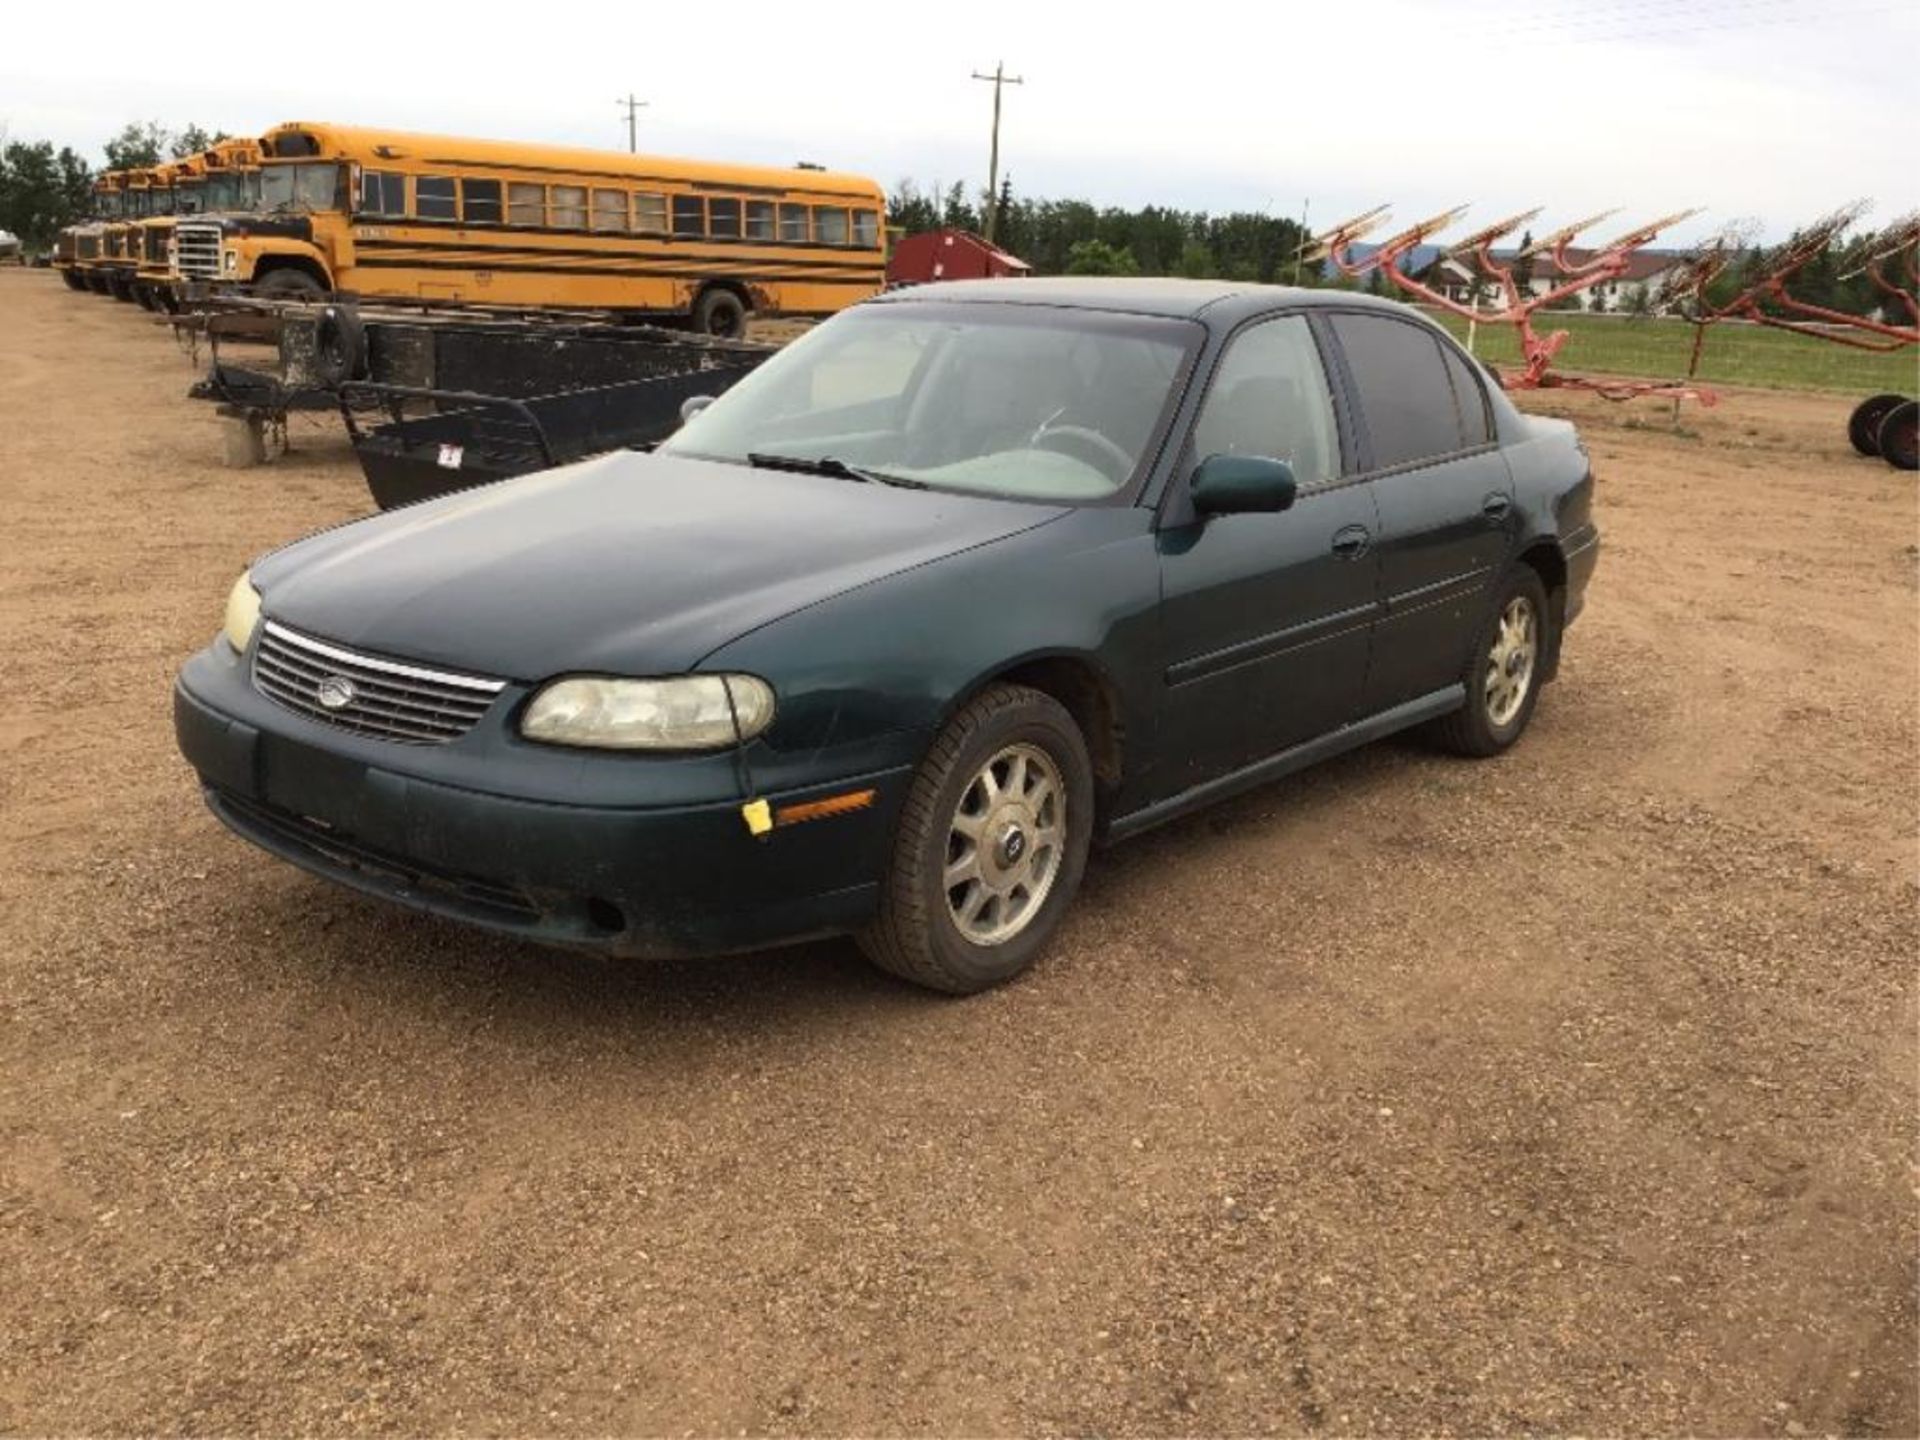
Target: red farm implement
1888,259
1515,300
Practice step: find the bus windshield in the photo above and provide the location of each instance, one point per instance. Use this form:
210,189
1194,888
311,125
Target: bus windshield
229,191
189,196
300,187
110,203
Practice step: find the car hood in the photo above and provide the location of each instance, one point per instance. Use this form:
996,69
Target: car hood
628,563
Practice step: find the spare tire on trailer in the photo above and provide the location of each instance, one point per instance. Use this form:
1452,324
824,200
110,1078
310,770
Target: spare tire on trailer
1899,437
1863,426
339,345
289,283
720,313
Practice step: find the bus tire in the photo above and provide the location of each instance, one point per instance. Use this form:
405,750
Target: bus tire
720,313
339,344
288,283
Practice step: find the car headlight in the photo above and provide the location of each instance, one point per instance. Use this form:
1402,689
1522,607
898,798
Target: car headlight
243,613
683,712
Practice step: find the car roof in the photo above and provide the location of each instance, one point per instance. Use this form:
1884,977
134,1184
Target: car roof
1213,301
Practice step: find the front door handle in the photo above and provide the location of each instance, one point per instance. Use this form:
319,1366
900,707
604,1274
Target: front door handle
1350,542
1495,506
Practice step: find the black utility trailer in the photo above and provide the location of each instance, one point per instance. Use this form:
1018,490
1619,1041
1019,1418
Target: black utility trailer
458,358
467,439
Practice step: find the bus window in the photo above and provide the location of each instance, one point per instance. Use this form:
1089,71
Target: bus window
866,229
829,225
480,201
793,224
383,192
759,219
433,197
689,215
723,218
610,210
569,210
527,204
649,213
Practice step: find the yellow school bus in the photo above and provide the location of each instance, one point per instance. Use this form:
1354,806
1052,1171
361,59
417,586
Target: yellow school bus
386,215
77,248
220,180
147,192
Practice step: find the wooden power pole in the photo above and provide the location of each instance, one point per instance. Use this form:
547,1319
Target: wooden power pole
1000,79
633,108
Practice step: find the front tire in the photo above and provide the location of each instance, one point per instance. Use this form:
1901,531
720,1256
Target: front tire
991,845
1503,675
288,283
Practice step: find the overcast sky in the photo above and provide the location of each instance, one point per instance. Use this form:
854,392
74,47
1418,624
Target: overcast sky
1770,110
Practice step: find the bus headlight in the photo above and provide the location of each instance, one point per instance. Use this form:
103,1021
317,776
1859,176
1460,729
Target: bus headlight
230,260
683,712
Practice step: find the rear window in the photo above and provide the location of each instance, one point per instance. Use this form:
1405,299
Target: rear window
1406,395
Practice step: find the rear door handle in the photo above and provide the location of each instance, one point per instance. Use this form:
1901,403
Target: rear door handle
1495,506
1350,542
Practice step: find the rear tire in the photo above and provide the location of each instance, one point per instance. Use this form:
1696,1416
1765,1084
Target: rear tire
990,846
1899,437
721,314
1503,676
288,283
1863,426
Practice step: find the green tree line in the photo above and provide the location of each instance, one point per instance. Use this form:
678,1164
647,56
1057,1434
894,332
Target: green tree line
43,189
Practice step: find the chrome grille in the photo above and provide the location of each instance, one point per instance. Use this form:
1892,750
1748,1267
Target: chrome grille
367,694
197,250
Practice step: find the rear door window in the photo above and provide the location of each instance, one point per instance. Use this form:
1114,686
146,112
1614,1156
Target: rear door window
1469,393
1406,395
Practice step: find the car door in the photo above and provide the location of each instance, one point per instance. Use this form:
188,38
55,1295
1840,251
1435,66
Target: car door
1264,617
1444,496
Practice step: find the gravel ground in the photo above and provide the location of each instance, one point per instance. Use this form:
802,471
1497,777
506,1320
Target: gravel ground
1572,1092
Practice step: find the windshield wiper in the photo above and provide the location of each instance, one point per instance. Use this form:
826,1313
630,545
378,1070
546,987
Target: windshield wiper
828,465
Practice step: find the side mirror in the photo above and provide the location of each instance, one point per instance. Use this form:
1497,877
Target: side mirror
693,405
1242,485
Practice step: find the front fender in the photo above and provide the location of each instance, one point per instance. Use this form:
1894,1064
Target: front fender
903,653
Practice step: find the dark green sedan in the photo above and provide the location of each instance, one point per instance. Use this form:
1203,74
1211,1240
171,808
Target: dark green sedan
888,636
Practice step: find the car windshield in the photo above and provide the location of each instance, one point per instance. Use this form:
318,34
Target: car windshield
299,187
1022,401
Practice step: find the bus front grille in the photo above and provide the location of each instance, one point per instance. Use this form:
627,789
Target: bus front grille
197,247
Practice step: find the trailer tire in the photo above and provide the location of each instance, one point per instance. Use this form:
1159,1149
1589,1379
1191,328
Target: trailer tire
339,345
287,283
1899,437
1863,426
720,313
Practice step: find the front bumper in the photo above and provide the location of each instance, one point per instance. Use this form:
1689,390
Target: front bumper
680,879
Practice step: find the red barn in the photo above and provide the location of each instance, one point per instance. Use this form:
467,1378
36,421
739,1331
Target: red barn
949,255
